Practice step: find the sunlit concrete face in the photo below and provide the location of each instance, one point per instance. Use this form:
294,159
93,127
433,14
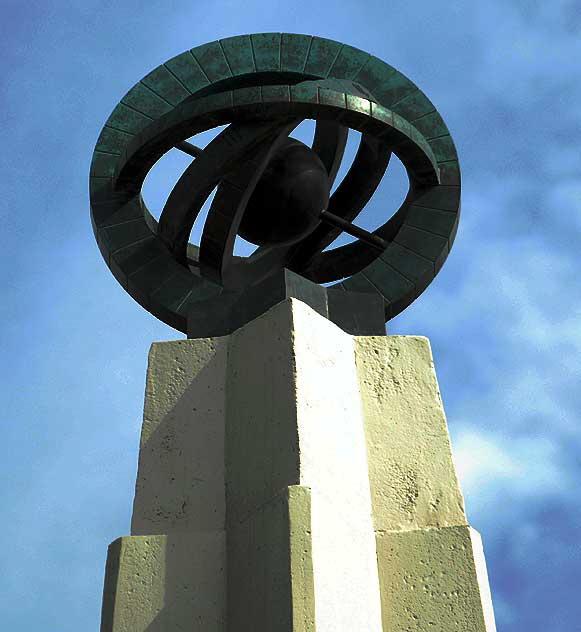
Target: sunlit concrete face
295,418
294,477
411,472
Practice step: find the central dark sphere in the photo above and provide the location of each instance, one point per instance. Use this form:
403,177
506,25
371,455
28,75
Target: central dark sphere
289,197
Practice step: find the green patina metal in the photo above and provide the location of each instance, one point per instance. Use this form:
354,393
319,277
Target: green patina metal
286,77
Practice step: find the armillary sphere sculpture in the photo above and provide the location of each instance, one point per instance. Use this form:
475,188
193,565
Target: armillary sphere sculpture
273,190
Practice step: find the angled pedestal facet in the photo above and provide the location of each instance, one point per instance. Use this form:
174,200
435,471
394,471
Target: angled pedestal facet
293,477
431,563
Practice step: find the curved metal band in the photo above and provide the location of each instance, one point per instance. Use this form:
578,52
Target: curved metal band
347,201
221,157
221,227
241,144
329,144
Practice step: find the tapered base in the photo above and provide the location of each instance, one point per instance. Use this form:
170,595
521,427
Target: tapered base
293,477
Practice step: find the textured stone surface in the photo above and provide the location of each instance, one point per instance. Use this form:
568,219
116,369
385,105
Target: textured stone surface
270,578
431,564
433,580
164,583
294,418
333,461
180,480
261,440
411,472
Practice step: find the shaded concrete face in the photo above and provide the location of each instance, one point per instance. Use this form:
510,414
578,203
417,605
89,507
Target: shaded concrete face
161,583
295,478
270,569
180,479
262,437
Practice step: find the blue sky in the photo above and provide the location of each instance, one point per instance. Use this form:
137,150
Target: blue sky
503,315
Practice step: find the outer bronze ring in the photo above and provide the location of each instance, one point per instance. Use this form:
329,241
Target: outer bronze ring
194,92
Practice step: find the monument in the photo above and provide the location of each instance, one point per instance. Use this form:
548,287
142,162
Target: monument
295,470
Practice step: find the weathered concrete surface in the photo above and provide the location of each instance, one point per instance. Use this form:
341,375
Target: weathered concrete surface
411,471
180,479
431,564
294,418
162,583
433,579
270,579
319,465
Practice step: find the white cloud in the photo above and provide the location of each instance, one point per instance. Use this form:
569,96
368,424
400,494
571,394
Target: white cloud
500,466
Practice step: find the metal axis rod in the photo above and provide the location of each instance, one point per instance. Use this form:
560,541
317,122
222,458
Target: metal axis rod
354,231
188,148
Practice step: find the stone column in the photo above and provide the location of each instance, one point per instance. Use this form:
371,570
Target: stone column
295,478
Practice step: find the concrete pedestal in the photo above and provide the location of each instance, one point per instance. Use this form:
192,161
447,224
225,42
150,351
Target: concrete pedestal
294,478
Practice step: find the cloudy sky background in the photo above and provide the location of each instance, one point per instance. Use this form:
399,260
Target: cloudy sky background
503,316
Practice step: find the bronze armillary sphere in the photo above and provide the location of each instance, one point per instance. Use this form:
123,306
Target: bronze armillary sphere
271,189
